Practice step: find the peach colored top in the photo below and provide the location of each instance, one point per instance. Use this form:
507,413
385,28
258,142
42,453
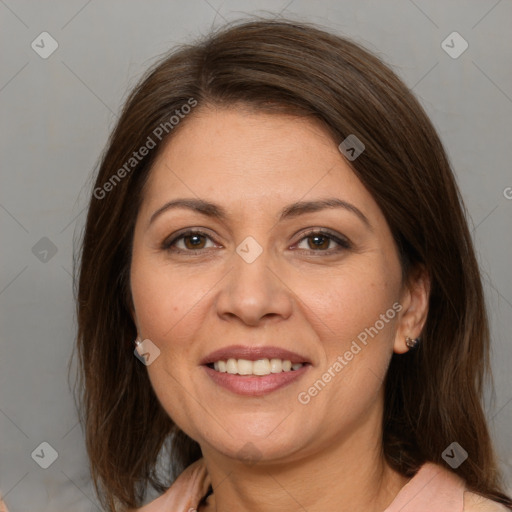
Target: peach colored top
433,488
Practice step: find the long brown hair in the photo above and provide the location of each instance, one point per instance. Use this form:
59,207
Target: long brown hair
433,395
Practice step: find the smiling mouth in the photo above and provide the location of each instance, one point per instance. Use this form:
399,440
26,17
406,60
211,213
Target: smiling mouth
259,367
255,378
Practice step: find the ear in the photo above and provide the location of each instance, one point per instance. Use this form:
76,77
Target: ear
414,300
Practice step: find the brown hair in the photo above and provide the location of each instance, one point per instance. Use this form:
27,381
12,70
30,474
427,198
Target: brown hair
432,394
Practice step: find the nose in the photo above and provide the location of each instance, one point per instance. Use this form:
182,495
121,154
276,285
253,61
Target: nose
253,290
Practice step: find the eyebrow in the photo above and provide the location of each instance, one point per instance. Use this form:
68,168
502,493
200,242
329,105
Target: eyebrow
291,211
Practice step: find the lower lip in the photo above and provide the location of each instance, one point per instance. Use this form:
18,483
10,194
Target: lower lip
251,385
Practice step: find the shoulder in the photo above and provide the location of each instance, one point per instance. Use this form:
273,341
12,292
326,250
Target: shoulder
475,503
184,494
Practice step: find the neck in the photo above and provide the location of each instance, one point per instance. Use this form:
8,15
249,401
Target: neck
350,475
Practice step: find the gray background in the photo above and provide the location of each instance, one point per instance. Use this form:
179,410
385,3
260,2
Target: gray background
57,114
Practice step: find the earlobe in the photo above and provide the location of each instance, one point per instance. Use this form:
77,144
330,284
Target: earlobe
414,315
405,345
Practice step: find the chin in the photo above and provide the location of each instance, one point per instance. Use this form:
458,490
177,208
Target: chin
246,444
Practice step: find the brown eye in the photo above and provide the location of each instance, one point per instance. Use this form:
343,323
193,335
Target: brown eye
194,241
319,241
187,242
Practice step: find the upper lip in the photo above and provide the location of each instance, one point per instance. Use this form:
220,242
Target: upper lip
253,353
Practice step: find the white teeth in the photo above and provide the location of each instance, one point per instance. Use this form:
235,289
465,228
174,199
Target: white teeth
276,366
259,367
231,366
244,367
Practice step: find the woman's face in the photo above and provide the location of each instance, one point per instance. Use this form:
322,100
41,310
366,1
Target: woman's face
260,280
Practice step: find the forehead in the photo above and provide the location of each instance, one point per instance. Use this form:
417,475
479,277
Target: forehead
266,159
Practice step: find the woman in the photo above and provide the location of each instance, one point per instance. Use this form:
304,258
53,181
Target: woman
276,230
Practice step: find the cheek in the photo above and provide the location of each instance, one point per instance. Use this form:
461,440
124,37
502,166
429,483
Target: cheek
163,299
356,324
166,315
352,301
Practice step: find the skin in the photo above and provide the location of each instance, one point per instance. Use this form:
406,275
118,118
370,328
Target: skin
323,455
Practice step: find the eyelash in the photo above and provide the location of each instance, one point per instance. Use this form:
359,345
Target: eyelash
343,243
